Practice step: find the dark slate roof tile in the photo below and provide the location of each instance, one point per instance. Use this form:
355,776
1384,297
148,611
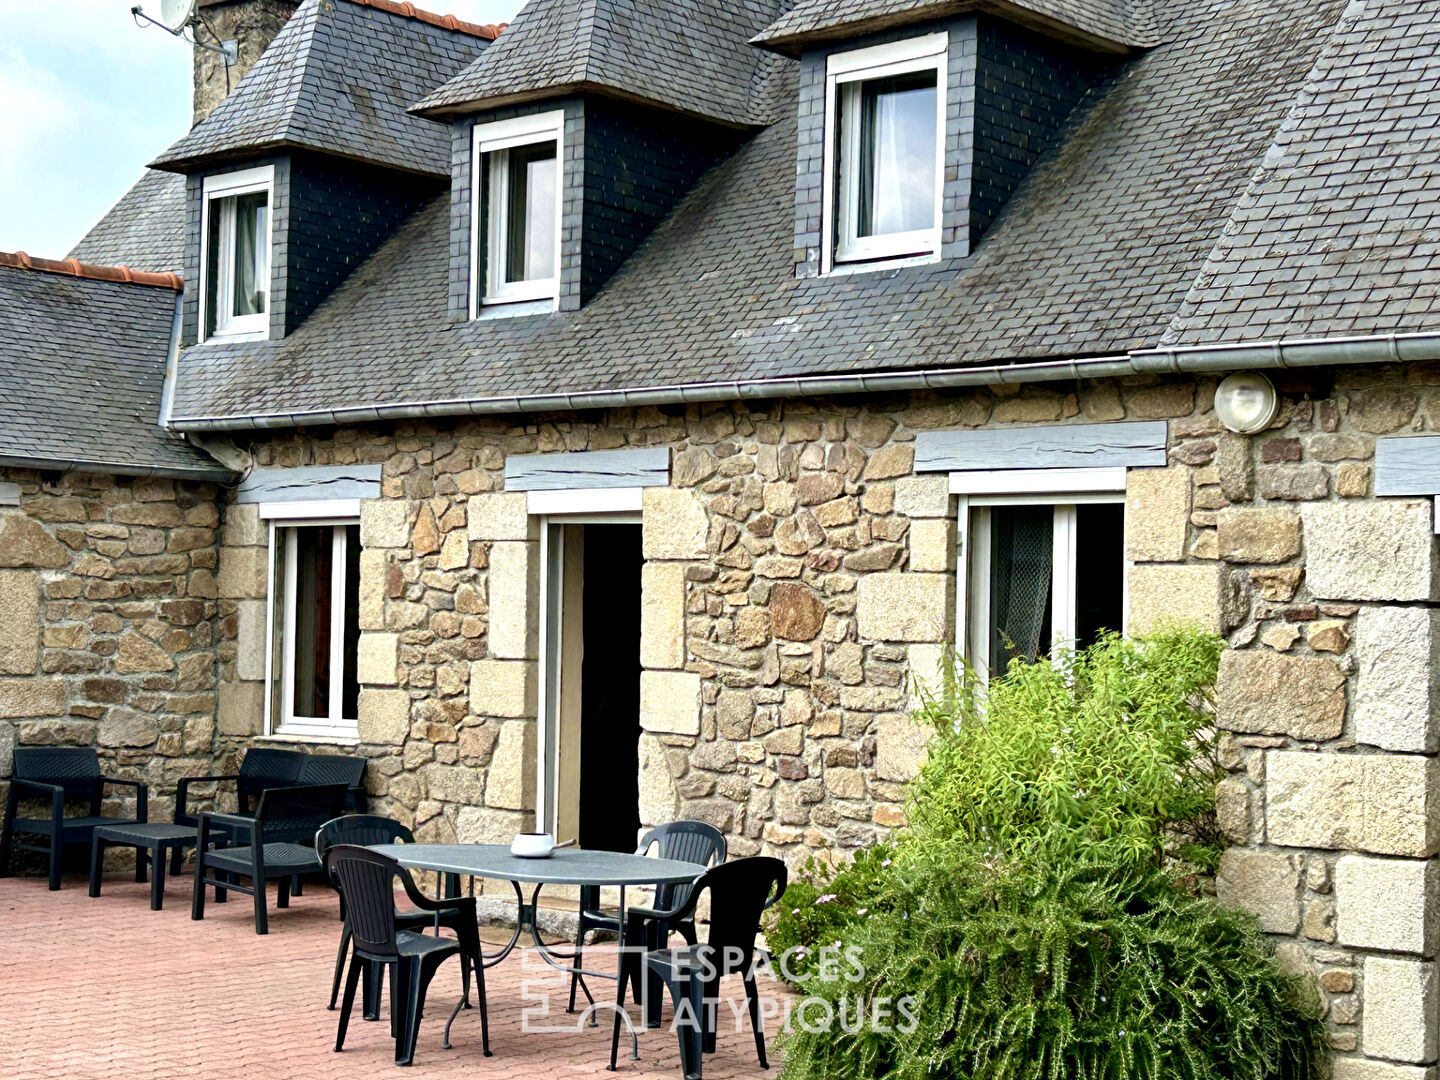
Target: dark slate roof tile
338,78
690,55
145,230
1093,255
1339,231
1109,24
84,364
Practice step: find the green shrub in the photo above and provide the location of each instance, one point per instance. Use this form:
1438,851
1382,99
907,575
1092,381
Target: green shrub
1043,970
1033,912
1099,755
820,903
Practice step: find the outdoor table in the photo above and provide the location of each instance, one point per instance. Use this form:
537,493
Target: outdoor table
567,866
149,840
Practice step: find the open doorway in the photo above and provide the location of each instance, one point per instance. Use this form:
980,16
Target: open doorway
591,742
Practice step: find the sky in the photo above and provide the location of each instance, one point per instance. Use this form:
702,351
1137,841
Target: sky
87,97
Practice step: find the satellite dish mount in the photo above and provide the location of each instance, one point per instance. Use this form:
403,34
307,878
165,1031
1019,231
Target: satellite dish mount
177,16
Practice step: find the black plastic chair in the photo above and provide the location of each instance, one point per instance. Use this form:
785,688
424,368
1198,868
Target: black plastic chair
687,841
740,892
60,774
363,830
282,835
367,881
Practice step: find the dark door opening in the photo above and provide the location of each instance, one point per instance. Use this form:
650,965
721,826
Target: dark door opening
610,689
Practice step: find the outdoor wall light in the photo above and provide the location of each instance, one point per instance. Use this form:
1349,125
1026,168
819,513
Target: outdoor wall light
1246,402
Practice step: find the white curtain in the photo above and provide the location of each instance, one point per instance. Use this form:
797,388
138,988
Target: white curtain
903,191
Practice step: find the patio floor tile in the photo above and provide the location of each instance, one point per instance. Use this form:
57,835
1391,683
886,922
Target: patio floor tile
106,988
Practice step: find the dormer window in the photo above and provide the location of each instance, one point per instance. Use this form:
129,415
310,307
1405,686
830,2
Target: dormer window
235,238
516,212
885,130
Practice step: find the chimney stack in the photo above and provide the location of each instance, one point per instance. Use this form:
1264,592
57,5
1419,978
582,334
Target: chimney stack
252,25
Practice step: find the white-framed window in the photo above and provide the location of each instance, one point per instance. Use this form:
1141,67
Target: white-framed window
314,622
515,211
1042,555
884,138
235,253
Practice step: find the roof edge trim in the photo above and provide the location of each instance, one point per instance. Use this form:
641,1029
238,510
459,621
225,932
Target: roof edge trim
219,473
569,89
123,275
1288,353
489,31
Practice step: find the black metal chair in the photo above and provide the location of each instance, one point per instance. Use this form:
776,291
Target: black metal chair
687,841
281,835
363,830
367,881
60,774
740,892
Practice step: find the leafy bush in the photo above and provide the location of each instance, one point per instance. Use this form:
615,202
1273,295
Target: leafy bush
1032,912
820,903
1098,755
1046,971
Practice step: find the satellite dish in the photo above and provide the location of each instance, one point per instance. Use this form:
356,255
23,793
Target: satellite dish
176,14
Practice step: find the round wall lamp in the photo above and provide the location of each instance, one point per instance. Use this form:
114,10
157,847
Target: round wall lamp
1246,402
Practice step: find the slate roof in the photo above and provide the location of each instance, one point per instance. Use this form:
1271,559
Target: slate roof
1110,24
338,78
1092,256
145,230
690,56
84,363
1339,231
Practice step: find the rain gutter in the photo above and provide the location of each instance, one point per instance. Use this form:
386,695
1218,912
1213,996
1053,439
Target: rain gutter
1289,353
114,468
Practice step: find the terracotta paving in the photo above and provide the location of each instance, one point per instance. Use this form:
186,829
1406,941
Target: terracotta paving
107,988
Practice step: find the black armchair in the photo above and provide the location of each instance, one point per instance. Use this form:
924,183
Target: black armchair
740,892
367,881
262,767
281,837
336,769
59,774
687,841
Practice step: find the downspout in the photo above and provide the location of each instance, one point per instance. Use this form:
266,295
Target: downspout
1293,353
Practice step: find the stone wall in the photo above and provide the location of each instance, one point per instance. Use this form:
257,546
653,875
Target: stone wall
798,575
107,624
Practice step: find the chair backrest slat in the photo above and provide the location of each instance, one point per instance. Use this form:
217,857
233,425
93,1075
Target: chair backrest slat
265,767
366,879
686,841
333,769
75,768
295,814
740,891
360,830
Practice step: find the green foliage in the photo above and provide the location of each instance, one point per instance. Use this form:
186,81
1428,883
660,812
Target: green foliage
1046,971
820,903
1099,755
1033,912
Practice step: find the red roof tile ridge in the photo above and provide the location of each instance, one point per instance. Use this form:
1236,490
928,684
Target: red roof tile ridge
75,268
489,31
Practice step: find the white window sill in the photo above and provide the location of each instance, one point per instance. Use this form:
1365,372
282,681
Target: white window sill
877,266
509,309
223,338
322,740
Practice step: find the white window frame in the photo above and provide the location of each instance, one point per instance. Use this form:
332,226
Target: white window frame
222,186
844,74
334,514
491,139
1064,489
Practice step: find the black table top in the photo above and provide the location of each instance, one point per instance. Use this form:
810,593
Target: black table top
148,830
568,866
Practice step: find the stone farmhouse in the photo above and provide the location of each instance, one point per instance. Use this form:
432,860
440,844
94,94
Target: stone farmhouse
617,416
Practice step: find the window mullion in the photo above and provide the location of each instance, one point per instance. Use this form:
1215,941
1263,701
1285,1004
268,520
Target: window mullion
287,662
1063,579
337,625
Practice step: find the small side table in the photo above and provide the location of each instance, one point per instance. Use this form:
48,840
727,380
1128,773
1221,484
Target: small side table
149,840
